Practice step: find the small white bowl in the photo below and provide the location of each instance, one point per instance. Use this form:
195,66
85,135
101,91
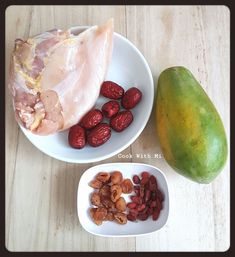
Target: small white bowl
128,68
111,228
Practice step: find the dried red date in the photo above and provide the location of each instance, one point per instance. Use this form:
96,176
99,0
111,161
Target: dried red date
144,181
136,199
141,207
155,214
121,121
143,216
145,174
160,195
111,90
110,108
91,119
131,205
131,98
99,135
77,137
131,217
136,179
147,195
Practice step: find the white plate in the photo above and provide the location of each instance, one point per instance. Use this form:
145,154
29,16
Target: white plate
128,68
112,229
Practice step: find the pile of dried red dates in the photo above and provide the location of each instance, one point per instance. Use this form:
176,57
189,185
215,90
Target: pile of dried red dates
107,198
111,206
147,200
92,130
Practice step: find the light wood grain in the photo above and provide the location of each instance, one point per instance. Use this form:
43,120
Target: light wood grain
41,191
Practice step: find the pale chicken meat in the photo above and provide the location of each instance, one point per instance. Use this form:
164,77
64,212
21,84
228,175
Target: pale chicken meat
55,77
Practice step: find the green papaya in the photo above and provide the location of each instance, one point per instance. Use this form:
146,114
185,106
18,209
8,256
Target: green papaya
191,133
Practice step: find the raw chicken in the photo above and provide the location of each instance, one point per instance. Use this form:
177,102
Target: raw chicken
55,77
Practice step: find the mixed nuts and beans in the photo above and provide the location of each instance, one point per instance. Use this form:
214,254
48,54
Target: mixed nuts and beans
109,204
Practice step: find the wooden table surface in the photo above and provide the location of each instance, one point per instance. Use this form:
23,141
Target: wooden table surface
41,191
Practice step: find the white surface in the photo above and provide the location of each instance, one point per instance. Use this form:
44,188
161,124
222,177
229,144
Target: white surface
127,68
112,229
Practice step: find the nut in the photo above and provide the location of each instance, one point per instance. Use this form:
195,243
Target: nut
95,199
127,186
120,204
116,177
116,192
120,217
103,176
95,184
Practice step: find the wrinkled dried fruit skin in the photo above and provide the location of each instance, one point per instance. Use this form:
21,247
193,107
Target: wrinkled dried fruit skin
136,199
95,184
136,179
141,207
134,212
92,213
155,214
148,199
100,214
131,98
111,90
127,186
142,216
141,191
121,218
99,135
107,203
145,174
77,137
109,216
91,119
110,109
95,199
120,204
160,195
121,121
105,191
116,192
130,217
131,205
103,176
147,195
144,181
116,177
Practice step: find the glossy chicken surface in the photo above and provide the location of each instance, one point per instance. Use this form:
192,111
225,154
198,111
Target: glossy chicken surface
55,77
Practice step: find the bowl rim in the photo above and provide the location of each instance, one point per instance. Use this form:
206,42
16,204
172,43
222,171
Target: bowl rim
125,164
133,138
